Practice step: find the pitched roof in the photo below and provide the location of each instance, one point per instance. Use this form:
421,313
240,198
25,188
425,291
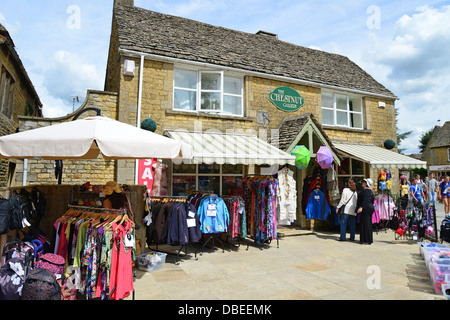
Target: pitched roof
150,32
441,136
290,128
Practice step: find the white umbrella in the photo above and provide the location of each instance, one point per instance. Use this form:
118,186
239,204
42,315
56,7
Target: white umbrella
87,138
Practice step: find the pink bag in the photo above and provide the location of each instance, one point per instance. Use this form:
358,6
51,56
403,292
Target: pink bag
52,262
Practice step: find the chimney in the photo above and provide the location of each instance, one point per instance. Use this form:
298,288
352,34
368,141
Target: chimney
128,3
267,34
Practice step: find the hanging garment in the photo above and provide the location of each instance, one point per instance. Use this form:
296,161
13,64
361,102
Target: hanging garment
260,194
287,195
317,207
121,278
238,226
214,215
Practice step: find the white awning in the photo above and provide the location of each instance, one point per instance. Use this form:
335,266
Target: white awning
221,148
379,157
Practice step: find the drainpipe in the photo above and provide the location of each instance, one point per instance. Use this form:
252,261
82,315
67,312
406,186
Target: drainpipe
139,108
25,172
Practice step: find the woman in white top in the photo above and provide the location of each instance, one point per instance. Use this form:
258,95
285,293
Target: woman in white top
348,218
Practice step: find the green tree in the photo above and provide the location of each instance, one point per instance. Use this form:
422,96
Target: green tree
424,138
400,136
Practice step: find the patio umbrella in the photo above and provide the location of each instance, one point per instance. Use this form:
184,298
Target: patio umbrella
87,138
324,157
302,157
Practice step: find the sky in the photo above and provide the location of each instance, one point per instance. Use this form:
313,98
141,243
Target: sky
404,45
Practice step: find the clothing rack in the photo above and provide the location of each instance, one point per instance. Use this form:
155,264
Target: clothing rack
185,246
95,209
104,212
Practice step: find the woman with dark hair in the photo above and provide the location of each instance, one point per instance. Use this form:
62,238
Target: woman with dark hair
365,207
348,217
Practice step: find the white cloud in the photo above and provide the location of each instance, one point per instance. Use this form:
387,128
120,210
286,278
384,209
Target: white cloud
13,29
67,76
414,65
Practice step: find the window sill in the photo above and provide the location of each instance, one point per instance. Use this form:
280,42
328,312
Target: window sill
208,115
327,127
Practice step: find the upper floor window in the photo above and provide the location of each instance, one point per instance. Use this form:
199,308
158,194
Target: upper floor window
342,110
208,91
6,93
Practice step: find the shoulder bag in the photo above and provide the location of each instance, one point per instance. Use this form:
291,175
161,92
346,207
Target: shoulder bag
341,209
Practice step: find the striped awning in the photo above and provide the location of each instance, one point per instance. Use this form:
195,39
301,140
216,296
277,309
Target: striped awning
379,157
212,147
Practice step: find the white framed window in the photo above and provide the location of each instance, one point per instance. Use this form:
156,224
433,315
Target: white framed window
342,110
208,91
448,154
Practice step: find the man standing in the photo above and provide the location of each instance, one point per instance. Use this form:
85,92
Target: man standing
432,188
417,193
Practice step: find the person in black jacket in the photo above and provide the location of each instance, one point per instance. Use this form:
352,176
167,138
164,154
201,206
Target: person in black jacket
365,207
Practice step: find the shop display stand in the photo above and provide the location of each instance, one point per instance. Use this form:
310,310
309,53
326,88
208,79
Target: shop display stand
213,237
185,246
177,254
98,209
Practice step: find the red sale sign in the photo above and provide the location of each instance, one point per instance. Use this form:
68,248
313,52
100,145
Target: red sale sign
146,171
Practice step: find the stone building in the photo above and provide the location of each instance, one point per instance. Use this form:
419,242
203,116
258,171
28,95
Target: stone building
437,151
214,87
17,98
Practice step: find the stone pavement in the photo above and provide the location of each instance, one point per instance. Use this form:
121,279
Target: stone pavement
305,267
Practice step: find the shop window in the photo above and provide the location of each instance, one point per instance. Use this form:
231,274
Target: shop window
223,180
7,85
350,168
208,91
342,110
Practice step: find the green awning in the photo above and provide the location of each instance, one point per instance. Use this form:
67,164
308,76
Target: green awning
212,147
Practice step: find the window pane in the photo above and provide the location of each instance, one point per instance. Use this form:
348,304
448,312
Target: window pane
341,102
209,184
211,81
232,186
210,101
185,79
184,168
232,169
185,100
355,104
344,168
207,168
183,186
232,85
355,120
342,118
232,105
327,100
328,117
357,167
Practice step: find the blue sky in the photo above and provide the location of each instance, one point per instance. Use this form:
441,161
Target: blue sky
404,44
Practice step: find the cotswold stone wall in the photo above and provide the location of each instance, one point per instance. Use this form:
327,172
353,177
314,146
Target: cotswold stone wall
22,98
97,171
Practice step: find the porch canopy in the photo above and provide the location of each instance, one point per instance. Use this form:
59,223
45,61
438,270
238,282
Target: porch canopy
214,147
379,157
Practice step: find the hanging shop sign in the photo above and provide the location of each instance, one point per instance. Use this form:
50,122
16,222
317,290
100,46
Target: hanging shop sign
286,99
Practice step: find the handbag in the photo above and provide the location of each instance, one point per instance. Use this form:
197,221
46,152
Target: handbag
341,209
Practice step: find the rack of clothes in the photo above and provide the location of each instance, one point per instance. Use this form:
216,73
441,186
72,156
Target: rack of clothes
98,246
315,199
260,198
173,221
